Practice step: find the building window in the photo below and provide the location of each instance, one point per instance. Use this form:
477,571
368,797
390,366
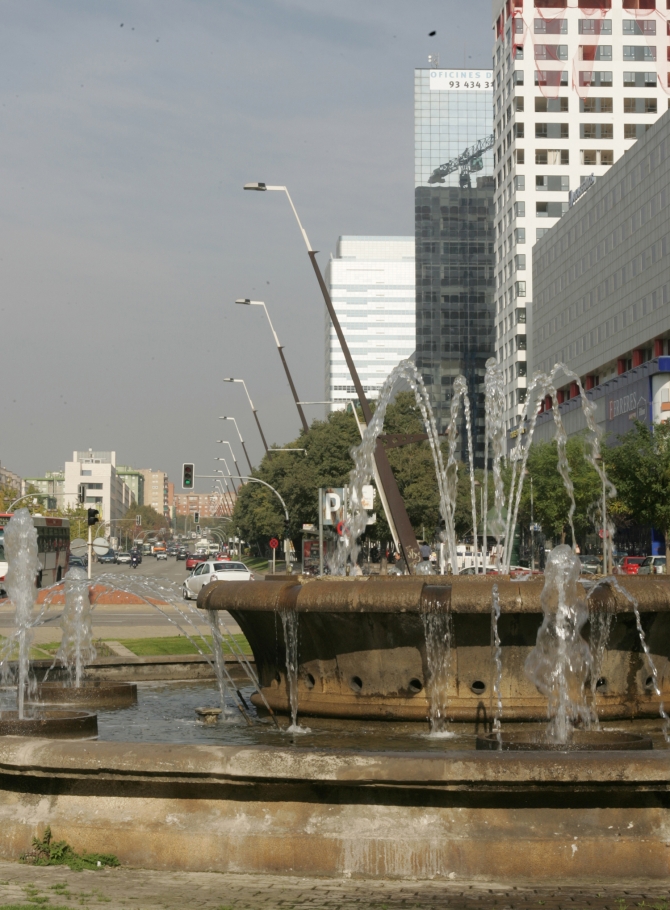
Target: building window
639,52
552,183
640,106
596,156
519,209
517,52
518,77
550,4
551,105
595,27
639,80
633,27
596,131
639,4
550,26
596,4
518,25
521,314
540,232
518,103
518,130
551,131
595,106
595,78
520,290
520,182
551,51
520,262
552,156
521,339
520,235
520,156
550,78
595,51
635,130
550,209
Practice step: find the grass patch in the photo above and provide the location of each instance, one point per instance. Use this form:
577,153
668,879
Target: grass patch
49,852
177,644
31,906
256,563
49,649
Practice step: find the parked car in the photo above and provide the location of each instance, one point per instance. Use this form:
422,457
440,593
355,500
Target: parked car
590,565
629,565
193,560
109,557
124,559
214,570
652,565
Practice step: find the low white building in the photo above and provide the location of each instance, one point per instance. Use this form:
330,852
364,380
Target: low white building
104,490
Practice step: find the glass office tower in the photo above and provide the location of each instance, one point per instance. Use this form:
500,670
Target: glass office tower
454,224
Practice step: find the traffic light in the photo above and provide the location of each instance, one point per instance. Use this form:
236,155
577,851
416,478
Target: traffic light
286,528
138,521
93,516
197,528
188,475
196,517
81,494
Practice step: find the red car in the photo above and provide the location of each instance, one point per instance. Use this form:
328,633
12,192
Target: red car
630,565
192,561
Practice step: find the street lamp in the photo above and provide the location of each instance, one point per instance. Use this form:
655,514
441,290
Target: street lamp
253,409
406,535
247,302
241,440
229,494
237,467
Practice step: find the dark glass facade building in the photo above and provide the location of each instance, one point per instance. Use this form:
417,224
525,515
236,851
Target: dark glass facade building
454,231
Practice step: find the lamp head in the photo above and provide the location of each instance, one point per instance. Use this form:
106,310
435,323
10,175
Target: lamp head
261,187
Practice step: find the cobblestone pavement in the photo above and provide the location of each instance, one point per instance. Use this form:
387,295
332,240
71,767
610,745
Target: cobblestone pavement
136,889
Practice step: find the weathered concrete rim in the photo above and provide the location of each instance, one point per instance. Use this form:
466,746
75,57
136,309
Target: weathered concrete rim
460,594
30,756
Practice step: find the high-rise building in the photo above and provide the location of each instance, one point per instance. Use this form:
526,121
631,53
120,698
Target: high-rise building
454,189
207,505
575,86
134,480
156,490
103,488
371,283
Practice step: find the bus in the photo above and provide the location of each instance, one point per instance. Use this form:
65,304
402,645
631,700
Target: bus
53,547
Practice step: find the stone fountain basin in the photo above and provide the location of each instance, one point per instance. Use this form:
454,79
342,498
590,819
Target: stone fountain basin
334,812
580,741
50,723
91,694
362,645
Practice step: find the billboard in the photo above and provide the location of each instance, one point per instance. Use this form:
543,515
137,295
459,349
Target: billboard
460,80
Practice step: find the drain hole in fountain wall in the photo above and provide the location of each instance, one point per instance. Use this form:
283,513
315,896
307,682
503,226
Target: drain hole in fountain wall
478,687
649,682
356,683
602,682
415,686
309,681
277,677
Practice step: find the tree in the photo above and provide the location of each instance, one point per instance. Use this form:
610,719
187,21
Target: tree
639,468
551,501
151,519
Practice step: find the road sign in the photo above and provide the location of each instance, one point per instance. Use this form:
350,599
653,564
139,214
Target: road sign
274,543
100,546
138,520
79,547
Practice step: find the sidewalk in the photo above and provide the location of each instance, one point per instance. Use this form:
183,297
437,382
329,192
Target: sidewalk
134,889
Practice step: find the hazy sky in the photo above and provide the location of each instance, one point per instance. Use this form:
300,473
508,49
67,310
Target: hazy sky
127,132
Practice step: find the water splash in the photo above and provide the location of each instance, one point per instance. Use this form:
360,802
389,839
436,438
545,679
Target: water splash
76,647
600,625
20,581
438,629
560,662
496,663
494,408
289,621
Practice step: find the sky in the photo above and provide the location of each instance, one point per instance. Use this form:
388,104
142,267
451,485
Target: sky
127,132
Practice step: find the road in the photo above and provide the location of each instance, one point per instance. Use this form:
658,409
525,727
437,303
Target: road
115,621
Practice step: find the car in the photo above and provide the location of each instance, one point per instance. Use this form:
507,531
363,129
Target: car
214,570
590,565
629,565
108,557
652,565
78,562
124,558
161,554
182,554
193,560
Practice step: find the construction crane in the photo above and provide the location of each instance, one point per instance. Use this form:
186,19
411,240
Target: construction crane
470,160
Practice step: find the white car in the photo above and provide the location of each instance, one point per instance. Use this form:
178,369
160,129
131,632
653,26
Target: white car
124,558
652,565
213,570
162,554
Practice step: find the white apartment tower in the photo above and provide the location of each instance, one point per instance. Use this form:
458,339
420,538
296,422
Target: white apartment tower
372,286
574,87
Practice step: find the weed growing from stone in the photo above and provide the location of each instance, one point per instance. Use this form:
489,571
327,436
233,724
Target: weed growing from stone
48,852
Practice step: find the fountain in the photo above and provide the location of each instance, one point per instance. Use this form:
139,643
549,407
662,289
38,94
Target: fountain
459,726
